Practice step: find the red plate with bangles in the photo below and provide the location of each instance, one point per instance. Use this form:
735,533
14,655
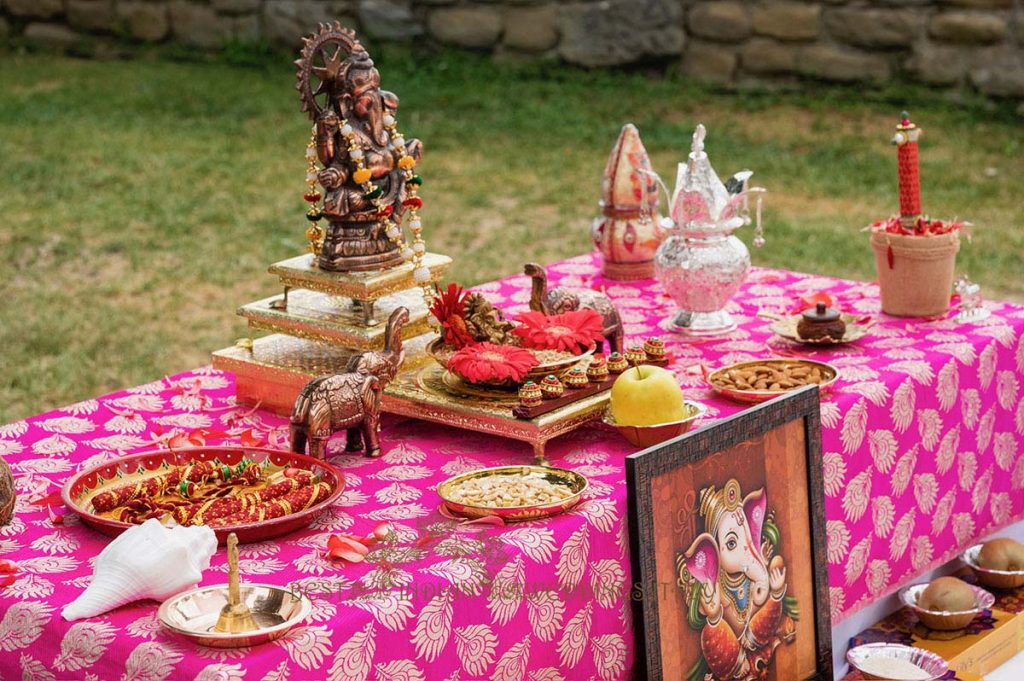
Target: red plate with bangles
256,493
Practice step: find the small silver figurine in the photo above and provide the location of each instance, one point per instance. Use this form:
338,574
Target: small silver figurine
972,308
700,264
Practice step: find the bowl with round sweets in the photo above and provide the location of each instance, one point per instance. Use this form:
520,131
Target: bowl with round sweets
998,563
895,662
947,603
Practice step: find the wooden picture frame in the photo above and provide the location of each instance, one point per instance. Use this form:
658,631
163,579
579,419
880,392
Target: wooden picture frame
701,587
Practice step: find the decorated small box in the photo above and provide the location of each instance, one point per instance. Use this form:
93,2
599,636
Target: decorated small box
990,640
1007,600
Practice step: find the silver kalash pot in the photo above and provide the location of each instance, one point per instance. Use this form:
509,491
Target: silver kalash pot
700,264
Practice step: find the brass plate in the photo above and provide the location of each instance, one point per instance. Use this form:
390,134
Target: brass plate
559,367
421,392
576,483
331,319
460,388
301,272
786,327
755,396
194,614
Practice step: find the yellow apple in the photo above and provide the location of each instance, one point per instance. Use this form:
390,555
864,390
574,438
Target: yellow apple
647,396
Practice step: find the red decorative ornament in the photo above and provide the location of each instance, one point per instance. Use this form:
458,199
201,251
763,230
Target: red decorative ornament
491,363
352,548
8,573
570,331
413,202
922,226
311,197
908,169
386,211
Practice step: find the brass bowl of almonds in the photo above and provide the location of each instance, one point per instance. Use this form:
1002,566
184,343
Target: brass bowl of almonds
512,492
764,379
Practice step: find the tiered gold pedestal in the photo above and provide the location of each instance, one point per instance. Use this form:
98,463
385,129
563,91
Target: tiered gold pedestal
323,318
331,319
342,307
318,322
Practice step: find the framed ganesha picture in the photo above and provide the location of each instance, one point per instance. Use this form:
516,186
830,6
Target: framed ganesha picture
727,538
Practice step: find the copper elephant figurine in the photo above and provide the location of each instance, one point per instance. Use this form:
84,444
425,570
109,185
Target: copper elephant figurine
350,400
329,403
384,364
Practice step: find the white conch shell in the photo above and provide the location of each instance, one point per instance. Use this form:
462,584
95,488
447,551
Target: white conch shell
148,561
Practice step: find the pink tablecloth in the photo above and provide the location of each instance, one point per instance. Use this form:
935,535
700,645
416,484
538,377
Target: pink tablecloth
921,456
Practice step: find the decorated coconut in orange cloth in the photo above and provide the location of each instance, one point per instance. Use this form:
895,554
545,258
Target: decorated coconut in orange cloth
629,230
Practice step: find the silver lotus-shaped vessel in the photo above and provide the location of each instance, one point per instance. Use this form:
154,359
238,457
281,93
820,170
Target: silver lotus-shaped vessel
701,264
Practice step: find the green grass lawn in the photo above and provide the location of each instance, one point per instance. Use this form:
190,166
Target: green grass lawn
143,199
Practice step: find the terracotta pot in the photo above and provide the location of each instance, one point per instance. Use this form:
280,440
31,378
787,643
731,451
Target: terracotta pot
919,280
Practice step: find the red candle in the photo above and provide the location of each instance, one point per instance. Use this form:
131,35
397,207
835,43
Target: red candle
909,173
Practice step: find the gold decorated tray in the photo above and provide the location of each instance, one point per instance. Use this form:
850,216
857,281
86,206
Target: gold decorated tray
559,367
430,393
721,381
856,328
571,482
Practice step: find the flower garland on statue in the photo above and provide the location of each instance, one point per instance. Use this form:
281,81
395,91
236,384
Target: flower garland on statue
363,176
315,233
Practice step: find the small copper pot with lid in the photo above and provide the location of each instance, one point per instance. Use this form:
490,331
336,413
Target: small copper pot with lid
821,322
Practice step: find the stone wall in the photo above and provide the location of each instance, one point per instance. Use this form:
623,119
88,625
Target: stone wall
977,44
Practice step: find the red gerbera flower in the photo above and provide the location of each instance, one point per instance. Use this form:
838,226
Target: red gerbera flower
490,363
448,307
570,331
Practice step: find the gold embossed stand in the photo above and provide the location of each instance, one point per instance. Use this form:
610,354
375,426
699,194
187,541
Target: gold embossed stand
318,322
272,372
275,369
342,307
322,318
